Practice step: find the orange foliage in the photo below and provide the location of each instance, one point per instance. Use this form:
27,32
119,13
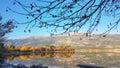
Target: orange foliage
42,48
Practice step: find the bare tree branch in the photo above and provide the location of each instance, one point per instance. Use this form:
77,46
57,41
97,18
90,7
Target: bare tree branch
69,15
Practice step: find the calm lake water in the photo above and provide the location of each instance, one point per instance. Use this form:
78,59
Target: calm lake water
68,60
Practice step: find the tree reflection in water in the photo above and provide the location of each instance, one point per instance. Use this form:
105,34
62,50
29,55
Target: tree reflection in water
46,55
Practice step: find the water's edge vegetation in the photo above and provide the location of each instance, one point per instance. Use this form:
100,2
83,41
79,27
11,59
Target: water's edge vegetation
11,49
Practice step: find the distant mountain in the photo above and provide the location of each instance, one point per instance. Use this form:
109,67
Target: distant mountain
73,39
32,41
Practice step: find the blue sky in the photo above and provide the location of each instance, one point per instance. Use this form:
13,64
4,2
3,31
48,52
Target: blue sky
19,32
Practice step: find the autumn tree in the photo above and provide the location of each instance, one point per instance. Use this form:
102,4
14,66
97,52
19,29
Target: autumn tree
69,15
11,48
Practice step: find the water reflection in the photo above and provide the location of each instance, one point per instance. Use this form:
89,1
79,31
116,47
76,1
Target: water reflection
39,55
99,59
2,59
68,59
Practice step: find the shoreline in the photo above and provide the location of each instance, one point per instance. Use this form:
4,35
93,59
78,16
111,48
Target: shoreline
35,52
89,50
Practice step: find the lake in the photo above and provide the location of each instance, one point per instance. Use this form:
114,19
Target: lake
68,59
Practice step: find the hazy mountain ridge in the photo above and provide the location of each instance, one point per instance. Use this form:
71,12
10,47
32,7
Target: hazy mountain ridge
74,40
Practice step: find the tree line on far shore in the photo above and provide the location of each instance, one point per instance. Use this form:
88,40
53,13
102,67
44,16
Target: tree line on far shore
12,48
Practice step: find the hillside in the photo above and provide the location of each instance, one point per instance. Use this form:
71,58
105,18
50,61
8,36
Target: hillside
76,40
